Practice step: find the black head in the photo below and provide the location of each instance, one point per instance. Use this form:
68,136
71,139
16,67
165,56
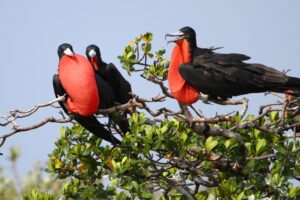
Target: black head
92,51
65,49
187,33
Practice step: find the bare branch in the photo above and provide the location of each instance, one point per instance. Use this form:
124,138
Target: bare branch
17,128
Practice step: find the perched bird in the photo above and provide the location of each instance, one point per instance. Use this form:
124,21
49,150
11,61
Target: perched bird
216,76
109,72
76,78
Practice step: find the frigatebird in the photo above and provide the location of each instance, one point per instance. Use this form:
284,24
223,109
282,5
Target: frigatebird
77,80
216,76
109,72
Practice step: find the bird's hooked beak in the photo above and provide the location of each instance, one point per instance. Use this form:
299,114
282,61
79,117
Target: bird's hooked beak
92,53
179,35
68,52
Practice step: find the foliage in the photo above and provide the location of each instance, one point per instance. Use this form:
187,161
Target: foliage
13,187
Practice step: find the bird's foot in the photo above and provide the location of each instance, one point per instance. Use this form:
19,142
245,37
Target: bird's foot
204,98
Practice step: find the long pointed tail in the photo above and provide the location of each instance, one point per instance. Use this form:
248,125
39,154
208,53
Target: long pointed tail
94,126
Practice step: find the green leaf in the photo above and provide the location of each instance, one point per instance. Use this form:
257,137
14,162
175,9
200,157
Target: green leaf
274,115
147,47
278,167
256,133
268,179
128,56
237,117
183,137
281,149
210,143
124,160
147,195
231,143
63,132
276,179
135,186
228,186
240,196
152,70
250,167
296,118
150,55
249,117
201,195
293,192
261,144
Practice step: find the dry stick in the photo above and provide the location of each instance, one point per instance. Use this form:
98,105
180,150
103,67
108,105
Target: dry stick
215,119
17,114
263,157
123,107
243,101
39,124
163,88
261,108
35,108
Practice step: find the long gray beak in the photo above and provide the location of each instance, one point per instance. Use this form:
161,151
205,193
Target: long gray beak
68,52
178,34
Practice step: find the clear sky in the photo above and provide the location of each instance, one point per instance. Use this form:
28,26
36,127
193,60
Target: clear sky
31,30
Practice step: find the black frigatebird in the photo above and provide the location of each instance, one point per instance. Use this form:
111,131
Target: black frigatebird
195,70
76,78
109,72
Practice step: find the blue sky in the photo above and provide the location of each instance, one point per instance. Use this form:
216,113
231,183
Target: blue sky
268,31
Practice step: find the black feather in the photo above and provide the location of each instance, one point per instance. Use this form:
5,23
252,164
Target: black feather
226,75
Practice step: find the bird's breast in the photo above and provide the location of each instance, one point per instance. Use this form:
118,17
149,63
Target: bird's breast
180,90
78,79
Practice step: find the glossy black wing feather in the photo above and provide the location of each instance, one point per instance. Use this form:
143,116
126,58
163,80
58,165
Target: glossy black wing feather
105,92
226,75
122,90
59,91
119,84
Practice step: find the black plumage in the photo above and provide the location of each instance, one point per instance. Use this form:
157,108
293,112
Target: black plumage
105,94
222,76
109,72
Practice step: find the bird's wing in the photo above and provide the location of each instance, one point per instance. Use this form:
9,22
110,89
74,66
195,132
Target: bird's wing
226,75
105,92
59,91
120,85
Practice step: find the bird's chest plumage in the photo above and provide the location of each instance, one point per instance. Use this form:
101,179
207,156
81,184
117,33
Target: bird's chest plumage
182,91
78,79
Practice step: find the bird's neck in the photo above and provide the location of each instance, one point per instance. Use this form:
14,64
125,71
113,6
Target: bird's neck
97,63
181,54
